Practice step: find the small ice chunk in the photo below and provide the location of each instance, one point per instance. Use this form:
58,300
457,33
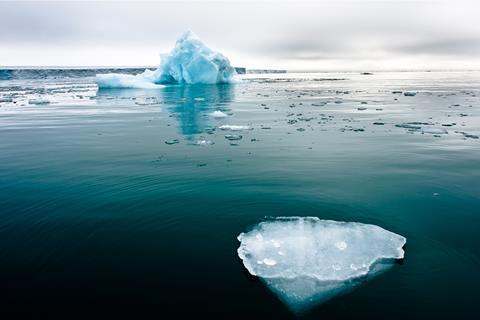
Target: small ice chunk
173,141
434,130
218,114
38,101
233,137
146,102
468,135
319,258
408,126
204,143
233,127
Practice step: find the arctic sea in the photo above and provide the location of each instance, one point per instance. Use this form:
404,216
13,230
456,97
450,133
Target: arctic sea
129,202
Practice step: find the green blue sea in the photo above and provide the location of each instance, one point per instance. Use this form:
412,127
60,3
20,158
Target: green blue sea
129,202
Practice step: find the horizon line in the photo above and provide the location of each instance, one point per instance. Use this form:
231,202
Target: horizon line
70,67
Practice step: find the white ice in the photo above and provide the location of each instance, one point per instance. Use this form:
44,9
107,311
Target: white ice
204,143
218,114
190,62
117,80
233,127
434,130
306,261
38,101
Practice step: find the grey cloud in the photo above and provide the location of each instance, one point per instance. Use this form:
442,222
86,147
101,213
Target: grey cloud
463,47
298,30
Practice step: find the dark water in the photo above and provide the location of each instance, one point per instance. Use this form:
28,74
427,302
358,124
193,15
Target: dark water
99,216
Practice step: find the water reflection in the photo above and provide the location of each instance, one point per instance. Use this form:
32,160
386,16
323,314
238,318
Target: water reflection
189,104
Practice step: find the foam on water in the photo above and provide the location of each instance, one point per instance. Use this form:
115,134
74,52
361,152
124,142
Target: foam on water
306,261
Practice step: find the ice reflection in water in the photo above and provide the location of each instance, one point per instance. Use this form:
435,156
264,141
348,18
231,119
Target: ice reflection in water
191,105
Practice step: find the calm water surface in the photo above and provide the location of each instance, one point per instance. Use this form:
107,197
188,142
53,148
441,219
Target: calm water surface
129,202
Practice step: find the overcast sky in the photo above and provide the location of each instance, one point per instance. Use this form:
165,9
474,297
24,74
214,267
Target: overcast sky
295,35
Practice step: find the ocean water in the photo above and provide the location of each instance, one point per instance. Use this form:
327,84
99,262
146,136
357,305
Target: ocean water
129,202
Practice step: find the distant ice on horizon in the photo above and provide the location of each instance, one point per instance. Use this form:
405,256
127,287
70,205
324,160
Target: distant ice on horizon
306,261
190,62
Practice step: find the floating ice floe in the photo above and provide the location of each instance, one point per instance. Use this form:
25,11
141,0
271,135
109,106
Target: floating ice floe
233,137
233,127
117,80
434,130
173,141
147,102
218,114
468,135
190,62
204,143
306,261
38,101
409,126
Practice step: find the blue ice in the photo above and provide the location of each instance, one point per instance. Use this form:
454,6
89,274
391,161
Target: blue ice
190,62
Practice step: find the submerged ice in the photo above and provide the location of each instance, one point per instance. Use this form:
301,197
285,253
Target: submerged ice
306,261
190,62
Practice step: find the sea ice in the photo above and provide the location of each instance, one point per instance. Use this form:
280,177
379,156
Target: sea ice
306,261
233,127
146,101
38,101
190,62
173,141
117,80
468,135
434,130
233,137
408,126
218,114
204,143
6,99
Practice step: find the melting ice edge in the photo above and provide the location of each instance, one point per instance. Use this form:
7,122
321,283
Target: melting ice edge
306,261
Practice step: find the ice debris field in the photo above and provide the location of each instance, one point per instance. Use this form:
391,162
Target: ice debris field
306,261
190,62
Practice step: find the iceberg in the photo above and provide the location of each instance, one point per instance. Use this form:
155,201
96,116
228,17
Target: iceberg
306,261
190,62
